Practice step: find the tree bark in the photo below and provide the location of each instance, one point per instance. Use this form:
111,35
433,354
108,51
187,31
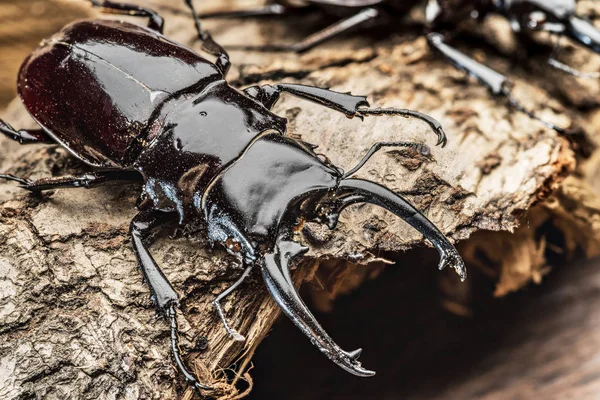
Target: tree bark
75,317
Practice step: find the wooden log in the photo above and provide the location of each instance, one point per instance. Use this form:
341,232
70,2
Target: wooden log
77,320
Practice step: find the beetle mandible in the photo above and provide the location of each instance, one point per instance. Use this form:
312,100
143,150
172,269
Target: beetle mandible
105,91
525,16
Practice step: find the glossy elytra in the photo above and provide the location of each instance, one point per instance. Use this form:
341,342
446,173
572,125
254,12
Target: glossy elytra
525,16
136,106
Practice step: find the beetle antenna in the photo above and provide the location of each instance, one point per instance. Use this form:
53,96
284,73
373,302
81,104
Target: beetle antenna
420,148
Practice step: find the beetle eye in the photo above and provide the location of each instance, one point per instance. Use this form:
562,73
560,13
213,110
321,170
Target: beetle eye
536,19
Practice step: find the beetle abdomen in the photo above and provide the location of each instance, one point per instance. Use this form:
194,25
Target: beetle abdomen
95,85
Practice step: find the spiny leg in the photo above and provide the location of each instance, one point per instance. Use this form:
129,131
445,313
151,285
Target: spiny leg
163,293
217,303
156,22
25,136
208,44
350,105
317,38
497,83
89,180
418,147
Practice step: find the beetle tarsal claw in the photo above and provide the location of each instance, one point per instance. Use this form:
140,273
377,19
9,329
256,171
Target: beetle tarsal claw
275,270
453,259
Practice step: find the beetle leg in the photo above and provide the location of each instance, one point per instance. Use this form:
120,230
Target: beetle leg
555,63
25,136
163,294
317,38
89,180
217,303
208,44
349,104
156,21
418,147
497,83
275,270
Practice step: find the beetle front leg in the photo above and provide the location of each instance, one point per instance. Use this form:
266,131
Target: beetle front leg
217,303
346,103
163,293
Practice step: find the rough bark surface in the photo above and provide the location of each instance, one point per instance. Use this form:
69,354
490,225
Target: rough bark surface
75,318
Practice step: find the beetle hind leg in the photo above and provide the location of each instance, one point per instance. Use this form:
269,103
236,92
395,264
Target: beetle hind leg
89,180
156,22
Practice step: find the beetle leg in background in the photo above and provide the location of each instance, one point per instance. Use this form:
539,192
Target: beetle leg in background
208,44
554,63
418,147
217,303
497,83
349,104
25,136
88,180
163,294
156,23
264,11
317,38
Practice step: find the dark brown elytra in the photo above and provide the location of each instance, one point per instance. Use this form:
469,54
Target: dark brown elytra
138,107
442,16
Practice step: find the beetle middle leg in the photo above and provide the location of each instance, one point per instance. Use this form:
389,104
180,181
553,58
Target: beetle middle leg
217,303
163,293
156,23
25,136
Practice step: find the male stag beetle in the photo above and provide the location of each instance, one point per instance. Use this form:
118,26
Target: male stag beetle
525,16
136,106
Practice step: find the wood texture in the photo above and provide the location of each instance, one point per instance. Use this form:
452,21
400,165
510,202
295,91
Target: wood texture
75,318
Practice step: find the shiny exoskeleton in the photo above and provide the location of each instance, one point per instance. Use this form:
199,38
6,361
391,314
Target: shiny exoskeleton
136,106
442,16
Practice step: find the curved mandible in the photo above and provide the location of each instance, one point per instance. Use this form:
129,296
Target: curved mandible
275,270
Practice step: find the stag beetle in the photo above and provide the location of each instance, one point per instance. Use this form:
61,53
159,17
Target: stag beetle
525,16
138,107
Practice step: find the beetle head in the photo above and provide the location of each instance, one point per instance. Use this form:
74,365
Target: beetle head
259,200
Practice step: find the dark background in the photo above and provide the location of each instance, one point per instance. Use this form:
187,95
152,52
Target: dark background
542,342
